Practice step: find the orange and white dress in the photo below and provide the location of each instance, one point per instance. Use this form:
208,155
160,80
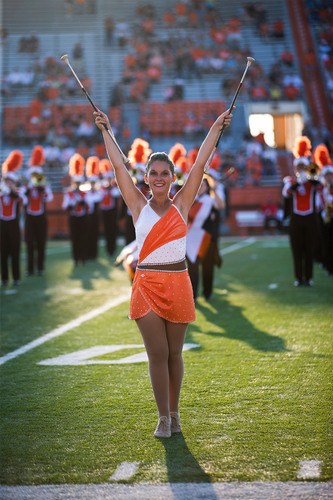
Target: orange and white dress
161,282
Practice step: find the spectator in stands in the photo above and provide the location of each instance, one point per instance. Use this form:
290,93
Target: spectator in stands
253,171
108,30
269,160
287,58
77,52
270,211
277,30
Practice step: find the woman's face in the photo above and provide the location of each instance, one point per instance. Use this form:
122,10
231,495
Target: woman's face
159,177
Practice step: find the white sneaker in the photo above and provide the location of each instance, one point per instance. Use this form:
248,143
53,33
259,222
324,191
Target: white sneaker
175,422
163,429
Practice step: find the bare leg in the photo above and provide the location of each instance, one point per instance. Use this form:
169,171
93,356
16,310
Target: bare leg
153,331
176,336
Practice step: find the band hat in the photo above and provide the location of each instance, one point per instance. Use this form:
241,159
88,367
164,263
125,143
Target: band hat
302,151
327,170
301,161
321,156
92,168
106,169
139,152
76,168
12,163
11,175
37,160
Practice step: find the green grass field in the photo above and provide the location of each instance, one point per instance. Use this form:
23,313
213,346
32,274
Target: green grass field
257,392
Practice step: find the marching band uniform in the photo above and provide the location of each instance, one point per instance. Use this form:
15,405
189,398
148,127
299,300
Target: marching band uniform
10,200
76,203
138,156
202,238
322,158
161,282
38,193
94,197
110,197
303,222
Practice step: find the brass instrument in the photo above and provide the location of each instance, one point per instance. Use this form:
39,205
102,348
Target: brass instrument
38,180
312,171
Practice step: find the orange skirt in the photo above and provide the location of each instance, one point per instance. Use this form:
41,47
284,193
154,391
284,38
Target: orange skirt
168,294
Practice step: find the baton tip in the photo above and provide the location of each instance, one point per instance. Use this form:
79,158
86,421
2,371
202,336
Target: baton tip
64,58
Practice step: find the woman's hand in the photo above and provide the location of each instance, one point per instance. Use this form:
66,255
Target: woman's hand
224,120
101,120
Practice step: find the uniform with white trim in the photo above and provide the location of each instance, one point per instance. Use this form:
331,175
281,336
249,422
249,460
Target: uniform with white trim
303,227
11,199
38,193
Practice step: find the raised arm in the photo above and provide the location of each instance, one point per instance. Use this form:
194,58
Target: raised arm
133,197
185,197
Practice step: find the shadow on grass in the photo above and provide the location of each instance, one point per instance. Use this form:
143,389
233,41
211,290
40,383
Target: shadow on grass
182,464
234,325
89,271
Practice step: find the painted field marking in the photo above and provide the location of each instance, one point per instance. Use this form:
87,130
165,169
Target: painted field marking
96,312
65,328
309,469
125,471
238,246
84,356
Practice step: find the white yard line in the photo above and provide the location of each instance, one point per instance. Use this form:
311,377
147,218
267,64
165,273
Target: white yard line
125,471
65,328
95,312
238,246
309,469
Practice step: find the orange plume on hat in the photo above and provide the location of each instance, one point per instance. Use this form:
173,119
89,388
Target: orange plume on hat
76,166
105,167
302,147
37,158
92,166
139,152
216,161
192,155
176,152
321,156
13,162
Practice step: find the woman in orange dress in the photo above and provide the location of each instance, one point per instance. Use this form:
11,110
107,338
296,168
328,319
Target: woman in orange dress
162,300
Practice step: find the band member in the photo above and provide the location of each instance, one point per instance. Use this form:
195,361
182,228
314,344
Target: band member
182,164
138,156
129,257
38,193
322,158
94,197
77,205
303,227
109,205
202,238
11,197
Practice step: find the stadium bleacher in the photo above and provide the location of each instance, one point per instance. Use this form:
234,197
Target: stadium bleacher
58,28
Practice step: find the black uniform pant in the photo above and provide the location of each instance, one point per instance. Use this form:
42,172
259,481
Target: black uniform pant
35,238
78,228
109,218
93,234
129,230
206,265
10,241
302,231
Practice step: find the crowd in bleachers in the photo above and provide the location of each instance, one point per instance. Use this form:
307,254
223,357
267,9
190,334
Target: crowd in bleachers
189,41
321,17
